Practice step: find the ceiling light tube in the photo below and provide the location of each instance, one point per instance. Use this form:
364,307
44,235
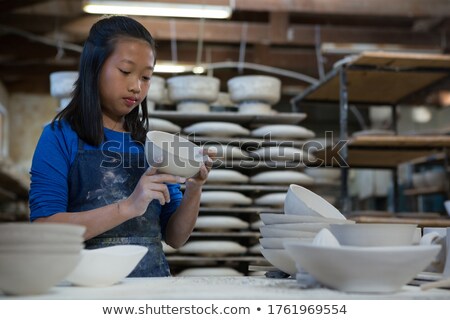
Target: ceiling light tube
158,9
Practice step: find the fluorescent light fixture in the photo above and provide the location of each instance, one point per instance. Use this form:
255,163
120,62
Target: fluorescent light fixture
170,67
158,9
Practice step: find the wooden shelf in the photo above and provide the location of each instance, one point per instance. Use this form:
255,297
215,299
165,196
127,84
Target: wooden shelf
381,78
423,191
185,119
387,151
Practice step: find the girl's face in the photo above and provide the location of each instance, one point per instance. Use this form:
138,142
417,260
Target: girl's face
125,77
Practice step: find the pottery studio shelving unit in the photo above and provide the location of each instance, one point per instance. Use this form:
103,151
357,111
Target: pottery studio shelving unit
250,213
371,79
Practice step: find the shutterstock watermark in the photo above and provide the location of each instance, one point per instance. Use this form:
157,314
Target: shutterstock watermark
272,153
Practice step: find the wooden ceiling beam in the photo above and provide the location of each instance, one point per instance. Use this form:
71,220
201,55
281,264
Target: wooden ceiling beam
408,8
302,35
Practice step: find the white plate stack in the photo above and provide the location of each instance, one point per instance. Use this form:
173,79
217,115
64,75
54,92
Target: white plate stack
36,256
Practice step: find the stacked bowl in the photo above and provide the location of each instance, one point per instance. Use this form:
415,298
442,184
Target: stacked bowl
305,214
369,258
36,256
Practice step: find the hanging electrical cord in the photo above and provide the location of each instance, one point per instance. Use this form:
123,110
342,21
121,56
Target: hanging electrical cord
48,41
319,57
242,47
173,41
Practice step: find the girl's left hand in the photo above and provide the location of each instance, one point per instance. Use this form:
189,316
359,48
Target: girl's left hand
200,178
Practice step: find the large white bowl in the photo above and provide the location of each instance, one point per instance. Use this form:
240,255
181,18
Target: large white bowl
173,154
255,87
374,234
280,259
301,201
106,266
48,247
29,273
362,269
193,87
277,218
305,226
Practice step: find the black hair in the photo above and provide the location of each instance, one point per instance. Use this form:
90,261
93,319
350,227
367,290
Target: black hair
84,111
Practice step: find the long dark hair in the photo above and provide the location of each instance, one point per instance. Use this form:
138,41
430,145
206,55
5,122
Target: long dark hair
84,111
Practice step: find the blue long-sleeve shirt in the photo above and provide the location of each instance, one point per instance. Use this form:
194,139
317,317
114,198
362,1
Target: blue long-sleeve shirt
53,157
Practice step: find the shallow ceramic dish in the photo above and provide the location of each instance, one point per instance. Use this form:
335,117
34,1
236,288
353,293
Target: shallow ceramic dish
193,87
275,199
228,152
156,124
193,107
223,198
255,87
62,83
212,247
374,234
280,259
301,201
220,223
277,243
281,154
173,154
276,218
280,131
106,266
25,233
362,269
226,176
217,129
282,177
29,273
305,226
255,107
279,232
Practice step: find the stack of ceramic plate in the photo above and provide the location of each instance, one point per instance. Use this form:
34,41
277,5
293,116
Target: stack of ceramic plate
36,256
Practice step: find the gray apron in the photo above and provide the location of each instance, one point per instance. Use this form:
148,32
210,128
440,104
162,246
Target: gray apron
100,177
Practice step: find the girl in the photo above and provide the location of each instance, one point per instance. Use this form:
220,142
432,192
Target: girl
89,166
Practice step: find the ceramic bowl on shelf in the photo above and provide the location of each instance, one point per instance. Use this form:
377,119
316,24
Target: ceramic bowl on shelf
210,272
192,107
283,177
173,154
255,87
193,87
374,234
212,248
227,152
301,201
156,91
156,124
106,266
62,83
223,199
275,199
217,129
255,107
217,223
362,269
282,131
226,176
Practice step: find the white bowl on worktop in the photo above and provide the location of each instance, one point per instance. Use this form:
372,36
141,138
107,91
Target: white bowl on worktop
106,266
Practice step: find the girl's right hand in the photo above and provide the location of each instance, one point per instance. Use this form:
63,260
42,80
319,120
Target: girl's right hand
151,186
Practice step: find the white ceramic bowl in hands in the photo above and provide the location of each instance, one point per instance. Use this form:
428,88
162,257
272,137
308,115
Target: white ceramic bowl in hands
106,266
374,234
301,201
173,154
362,269
193,87
28,273
255,87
